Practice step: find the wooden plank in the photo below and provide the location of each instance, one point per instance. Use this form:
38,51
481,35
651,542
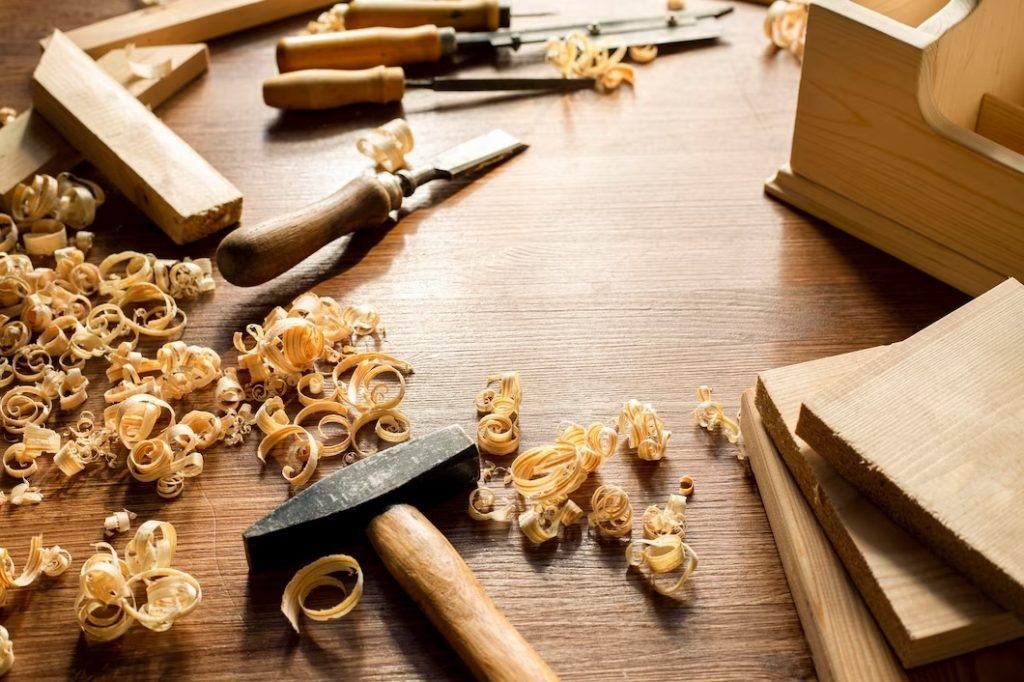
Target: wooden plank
931,432
927,610
30,145
1002,122
845,642
156,169
185,21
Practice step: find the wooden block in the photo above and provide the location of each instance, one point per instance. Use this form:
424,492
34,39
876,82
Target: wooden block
932,430
152,166
927,610
1002,122
30,145
845,642
186,21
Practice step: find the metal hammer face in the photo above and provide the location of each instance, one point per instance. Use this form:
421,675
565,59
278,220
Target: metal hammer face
319,519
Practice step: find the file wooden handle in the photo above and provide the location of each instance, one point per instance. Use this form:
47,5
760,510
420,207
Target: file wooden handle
462,15
329,88
360,49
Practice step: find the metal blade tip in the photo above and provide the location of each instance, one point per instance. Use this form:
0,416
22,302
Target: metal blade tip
478,153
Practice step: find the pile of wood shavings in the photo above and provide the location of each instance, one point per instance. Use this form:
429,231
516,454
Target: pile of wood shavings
388,145
644,430
785,25
42,211
106,604
330,21
498,430
578,56
320,574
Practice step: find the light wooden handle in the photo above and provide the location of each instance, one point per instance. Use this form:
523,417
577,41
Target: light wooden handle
462,15
329,88
254,254
359,49
439,581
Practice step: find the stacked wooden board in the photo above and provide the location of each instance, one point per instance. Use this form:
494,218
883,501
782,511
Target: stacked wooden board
910,437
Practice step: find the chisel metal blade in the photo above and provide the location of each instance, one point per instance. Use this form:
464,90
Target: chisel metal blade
477,154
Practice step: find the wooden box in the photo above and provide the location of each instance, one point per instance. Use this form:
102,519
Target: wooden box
909,132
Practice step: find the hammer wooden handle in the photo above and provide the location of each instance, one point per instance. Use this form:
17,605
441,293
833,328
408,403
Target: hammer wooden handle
329,88
462,15
359,49
254,254
423,561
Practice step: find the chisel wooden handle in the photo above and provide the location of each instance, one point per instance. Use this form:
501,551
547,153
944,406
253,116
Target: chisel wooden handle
254,254
462,15
430,570
363,48
329,88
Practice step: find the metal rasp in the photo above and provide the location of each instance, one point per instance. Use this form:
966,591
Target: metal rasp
376,494
257,253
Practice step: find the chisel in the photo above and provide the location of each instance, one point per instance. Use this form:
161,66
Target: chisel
329,88
367,47
254,254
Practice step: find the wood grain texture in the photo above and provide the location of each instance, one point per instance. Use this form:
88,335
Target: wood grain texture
926,609
174,186
846,643
30,145
628,253
427,566
462,15
1002,122
903,429
362,48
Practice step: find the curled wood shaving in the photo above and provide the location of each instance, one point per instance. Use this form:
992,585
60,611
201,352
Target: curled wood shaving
483,506
550,473
670,520
118,522
106,604
320,574
388,145
785,25
143,69
710,416
643,54
42,210
6,645
543,521
663,554
577,56
25,494
329,21
686,486
19,459
612,513
48,561
7,115
498,430
644,430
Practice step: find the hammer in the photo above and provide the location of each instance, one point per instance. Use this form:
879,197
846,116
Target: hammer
379,492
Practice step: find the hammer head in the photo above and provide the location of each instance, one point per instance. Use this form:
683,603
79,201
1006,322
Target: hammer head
319,519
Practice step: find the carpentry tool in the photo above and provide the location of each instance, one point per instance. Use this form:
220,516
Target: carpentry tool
252,255
368,47
462,15
377,494
329,88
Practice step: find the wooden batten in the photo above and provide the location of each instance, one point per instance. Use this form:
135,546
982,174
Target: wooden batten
146,160
30,145
185,21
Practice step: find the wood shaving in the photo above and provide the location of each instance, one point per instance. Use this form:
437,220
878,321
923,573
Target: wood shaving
42,210
498,430
142,69
329,21
388,145
19,459
577,56
483,506
664,554
667,520
550,473
710,416
106,604
48,561
785,25
6,645
644,430
686,486
612,513
544,521
320,574
25,494
643,54
675,5
118,522
7,116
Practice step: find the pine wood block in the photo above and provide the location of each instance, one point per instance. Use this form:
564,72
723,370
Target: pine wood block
30,145
146,160
927,610
845,642
185,21
931,431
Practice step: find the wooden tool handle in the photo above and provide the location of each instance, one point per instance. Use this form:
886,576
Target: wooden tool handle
359,49
462,15
435,576
329,88
254,254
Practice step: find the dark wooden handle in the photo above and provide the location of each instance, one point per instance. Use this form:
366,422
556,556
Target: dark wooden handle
462,15
423,561
254,254
329,88
359,49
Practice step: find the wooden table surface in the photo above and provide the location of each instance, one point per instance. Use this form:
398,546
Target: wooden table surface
629,253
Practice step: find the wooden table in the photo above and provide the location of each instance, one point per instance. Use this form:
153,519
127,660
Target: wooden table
629,253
